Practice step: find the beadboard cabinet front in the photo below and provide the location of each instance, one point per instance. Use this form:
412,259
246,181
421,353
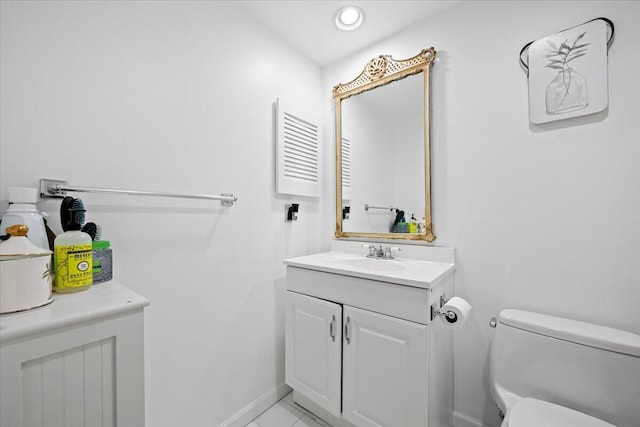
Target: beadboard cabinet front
76,362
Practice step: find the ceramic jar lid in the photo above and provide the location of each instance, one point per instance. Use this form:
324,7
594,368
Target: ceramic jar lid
18,246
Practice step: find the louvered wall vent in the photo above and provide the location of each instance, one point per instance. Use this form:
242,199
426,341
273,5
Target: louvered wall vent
297,141
346,169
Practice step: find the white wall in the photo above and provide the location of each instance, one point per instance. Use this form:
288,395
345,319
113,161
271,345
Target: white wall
542,217
370,146
409,165
176,97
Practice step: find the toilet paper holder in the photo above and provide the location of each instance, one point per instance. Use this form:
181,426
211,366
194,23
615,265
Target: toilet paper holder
450,316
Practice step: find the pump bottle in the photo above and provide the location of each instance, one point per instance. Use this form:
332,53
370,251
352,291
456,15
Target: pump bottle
73,253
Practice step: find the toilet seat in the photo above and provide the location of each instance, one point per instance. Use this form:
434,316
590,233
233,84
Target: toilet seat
530,412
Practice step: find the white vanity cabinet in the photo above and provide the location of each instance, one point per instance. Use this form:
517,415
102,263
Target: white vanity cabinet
362,352
77,362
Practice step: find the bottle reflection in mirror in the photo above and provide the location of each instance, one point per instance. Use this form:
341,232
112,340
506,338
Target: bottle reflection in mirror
399,225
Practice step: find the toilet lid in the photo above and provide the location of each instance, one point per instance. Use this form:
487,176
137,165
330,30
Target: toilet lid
530,412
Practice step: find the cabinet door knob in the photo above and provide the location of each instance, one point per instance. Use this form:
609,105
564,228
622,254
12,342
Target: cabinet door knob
332,328
347,330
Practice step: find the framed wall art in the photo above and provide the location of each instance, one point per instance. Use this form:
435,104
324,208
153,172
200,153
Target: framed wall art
568,72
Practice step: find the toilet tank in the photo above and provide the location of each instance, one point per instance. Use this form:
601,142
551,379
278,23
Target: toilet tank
589,368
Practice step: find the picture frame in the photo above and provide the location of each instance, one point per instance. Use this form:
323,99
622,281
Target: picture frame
568,74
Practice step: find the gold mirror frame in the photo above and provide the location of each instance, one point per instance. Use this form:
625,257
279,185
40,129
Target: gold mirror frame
378,72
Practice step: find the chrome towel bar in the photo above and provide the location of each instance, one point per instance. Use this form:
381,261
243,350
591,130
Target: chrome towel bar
368,206
59,188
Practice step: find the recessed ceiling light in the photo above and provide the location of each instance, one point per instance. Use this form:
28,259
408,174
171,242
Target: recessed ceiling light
349,18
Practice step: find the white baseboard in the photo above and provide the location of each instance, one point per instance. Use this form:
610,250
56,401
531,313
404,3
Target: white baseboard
257,407
462,420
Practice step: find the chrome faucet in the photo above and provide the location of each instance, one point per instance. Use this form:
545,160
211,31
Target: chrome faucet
375,253
380,252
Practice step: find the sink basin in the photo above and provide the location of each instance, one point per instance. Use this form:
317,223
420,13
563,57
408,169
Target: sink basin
371,264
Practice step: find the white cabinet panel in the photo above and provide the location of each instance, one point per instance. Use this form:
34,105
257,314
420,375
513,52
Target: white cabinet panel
66,388
99,382
77,362
313,349
385,370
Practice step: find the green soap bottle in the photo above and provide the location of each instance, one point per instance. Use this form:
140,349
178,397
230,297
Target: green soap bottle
102,268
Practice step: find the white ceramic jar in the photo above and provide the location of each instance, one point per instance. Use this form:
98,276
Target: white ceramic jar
23,210
25,272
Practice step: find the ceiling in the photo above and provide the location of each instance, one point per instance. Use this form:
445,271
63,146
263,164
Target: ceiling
308,24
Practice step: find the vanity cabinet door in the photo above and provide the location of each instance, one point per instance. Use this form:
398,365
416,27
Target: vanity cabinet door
313,347
385,370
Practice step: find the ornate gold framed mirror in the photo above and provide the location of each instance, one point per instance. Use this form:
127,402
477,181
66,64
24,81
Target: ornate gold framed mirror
383,165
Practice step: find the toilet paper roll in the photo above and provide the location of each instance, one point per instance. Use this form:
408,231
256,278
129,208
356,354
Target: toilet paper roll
460,309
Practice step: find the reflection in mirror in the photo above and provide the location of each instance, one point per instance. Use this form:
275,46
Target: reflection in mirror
384,130
382,150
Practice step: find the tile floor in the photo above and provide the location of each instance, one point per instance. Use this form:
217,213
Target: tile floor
285,413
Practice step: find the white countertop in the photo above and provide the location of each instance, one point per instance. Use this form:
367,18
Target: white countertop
99,301
418,273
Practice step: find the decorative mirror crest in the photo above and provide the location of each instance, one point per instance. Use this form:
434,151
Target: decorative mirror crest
384,66
378,72
377,67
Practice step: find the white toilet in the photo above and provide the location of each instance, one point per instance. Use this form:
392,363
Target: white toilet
548,371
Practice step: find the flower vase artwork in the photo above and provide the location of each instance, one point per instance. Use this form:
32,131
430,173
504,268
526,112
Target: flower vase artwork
568,74
568,90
